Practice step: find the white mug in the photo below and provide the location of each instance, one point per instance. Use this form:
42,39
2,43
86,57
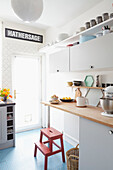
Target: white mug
106,32
81,101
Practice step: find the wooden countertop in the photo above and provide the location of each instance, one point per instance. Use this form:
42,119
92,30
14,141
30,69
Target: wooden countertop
89,112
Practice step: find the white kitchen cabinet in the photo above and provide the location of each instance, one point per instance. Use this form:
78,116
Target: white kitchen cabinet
96,146
71,128
66,123
59,61
96,53
57,119
3,125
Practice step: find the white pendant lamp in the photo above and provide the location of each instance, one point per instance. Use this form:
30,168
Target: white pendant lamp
27,10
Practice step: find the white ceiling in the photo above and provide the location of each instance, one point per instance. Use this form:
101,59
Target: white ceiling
56,12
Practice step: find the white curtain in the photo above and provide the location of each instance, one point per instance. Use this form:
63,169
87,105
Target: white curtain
0,54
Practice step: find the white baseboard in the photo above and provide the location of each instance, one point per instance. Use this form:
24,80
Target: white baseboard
70,139
32,127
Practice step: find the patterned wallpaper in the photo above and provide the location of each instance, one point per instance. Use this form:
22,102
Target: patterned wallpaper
11,47
0,54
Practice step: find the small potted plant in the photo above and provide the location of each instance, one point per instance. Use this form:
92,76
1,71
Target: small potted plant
5,93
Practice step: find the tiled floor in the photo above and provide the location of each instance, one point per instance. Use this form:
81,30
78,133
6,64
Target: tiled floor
21,157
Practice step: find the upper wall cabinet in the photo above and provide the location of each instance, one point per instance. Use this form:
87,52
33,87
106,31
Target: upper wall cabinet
96,53
59,61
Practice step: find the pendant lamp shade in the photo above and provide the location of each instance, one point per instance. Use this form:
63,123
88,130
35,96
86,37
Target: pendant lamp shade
27,10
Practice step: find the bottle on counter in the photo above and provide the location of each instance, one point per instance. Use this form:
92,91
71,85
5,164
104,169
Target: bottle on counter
98,81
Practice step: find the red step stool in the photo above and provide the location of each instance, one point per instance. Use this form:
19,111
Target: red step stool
52,134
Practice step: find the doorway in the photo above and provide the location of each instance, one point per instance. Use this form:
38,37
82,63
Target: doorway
27,92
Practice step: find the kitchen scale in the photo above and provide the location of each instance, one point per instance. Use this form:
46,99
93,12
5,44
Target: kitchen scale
106,114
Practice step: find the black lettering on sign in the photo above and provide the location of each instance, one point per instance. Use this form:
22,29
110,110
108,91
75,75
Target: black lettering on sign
10,33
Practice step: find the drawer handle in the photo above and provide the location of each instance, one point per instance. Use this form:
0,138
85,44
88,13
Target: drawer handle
110,132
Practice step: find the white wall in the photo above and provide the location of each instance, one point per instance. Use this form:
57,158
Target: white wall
56,83
14,46
75,24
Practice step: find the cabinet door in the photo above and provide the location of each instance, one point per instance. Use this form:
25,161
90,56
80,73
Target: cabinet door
71,127
57,119
102,54
97,53
96,146
79,60
3,124
59,61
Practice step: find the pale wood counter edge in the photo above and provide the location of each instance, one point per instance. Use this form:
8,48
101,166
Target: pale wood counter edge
88,114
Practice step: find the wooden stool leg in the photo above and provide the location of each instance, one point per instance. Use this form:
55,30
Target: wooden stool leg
41,135
45,165
62,146
51,145
35,151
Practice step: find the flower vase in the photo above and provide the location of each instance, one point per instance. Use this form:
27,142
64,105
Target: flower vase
5,98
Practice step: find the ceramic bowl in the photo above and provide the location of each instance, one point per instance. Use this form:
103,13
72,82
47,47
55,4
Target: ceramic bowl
99,34
55,98
70,83
84,38
62,37
82,29
107,105
77,83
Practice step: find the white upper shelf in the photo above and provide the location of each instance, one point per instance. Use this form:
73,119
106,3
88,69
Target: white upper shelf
91,31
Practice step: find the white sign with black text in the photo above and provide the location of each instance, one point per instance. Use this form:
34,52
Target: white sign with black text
16,34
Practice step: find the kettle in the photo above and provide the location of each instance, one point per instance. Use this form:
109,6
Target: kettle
81,101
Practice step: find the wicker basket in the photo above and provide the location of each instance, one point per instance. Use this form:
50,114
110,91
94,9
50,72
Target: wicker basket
72,156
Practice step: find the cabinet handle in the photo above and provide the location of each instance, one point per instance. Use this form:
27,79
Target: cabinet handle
57,70
14,94
91,67
110,132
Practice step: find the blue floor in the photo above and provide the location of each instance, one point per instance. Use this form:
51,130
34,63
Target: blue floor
21,157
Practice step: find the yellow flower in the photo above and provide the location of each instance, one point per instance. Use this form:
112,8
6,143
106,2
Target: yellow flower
6,94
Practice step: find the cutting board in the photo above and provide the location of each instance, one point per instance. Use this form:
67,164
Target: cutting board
78,93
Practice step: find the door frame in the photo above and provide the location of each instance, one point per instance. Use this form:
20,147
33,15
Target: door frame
31,127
